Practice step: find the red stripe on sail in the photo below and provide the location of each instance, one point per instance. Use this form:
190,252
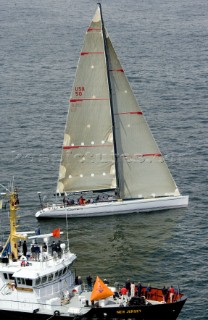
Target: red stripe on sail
80,100
131,112
93,29
118,70
85,53
94,146
140,155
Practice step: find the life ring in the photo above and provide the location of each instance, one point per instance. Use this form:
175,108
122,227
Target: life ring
56,313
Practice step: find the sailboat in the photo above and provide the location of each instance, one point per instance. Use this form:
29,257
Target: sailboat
41,283
109,154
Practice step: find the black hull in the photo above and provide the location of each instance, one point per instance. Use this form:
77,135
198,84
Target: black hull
148,312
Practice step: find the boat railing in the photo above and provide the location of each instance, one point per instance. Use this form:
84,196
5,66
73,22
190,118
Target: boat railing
156,294
44,255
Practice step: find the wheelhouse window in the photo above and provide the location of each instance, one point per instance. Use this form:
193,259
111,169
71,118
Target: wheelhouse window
50,277
28,282
44,279
10,276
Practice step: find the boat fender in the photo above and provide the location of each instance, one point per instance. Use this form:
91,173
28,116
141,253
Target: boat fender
56,313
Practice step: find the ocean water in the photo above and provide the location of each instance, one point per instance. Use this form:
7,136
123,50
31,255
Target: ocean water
163,47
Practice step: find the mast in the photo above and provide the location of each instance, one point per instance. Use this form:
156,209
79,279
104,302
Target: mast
110,95
13,236
13,226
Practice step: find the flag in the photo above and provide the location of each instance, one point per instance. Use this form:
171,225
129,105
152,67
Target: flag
56,233
100,290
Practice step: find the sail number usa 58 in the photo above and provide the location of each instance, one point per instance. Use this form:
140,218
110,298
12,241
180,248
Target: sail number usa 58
79,91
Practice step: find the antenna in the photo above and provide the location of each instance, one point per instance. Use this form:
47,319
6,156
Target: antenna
41,203
67,234
4,188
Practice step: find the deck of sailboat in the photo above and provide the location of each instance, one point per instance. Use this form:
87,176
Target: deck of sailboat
113,207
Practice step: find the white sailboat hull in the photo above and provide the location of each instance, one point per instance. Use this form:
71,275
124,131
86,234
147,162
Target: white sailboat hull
113,207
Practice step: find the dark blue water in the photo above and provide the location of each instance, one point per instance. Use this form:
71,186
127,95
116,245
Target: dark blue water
163,47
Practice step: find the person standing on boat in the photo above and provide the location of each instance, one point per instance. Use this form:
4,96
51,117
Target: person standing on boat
132,289
171,292
54,249
164,293
58,249
79,282
81,201
128,286
33,251
37,252
148,291
44,247
64,200
24,248
123,291
89,282
139,289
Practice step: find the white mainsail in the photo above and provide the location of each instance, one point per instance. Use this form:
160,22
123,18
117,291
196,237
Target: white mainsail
88,160
88,153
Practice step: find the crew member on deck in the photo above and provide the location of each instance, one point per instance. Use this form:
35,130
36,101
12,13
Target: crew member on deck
24,248
164,293
171,291
81,201
123,291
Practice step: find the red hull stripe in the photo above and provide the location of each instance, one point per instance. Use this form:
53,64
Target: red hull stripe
89,99
131,112
93,146
93,29
84,53
118,70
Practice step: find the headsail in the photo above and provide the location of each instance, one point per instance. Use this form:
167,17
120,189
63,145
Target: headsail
88,153
100,290
141,168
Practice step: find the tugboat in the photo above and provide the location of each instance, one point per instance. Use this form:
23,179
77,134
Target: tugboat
38,283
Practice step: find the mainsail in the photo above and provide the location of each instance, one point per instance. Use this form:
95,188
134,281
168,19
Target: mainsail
88,153
107,141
